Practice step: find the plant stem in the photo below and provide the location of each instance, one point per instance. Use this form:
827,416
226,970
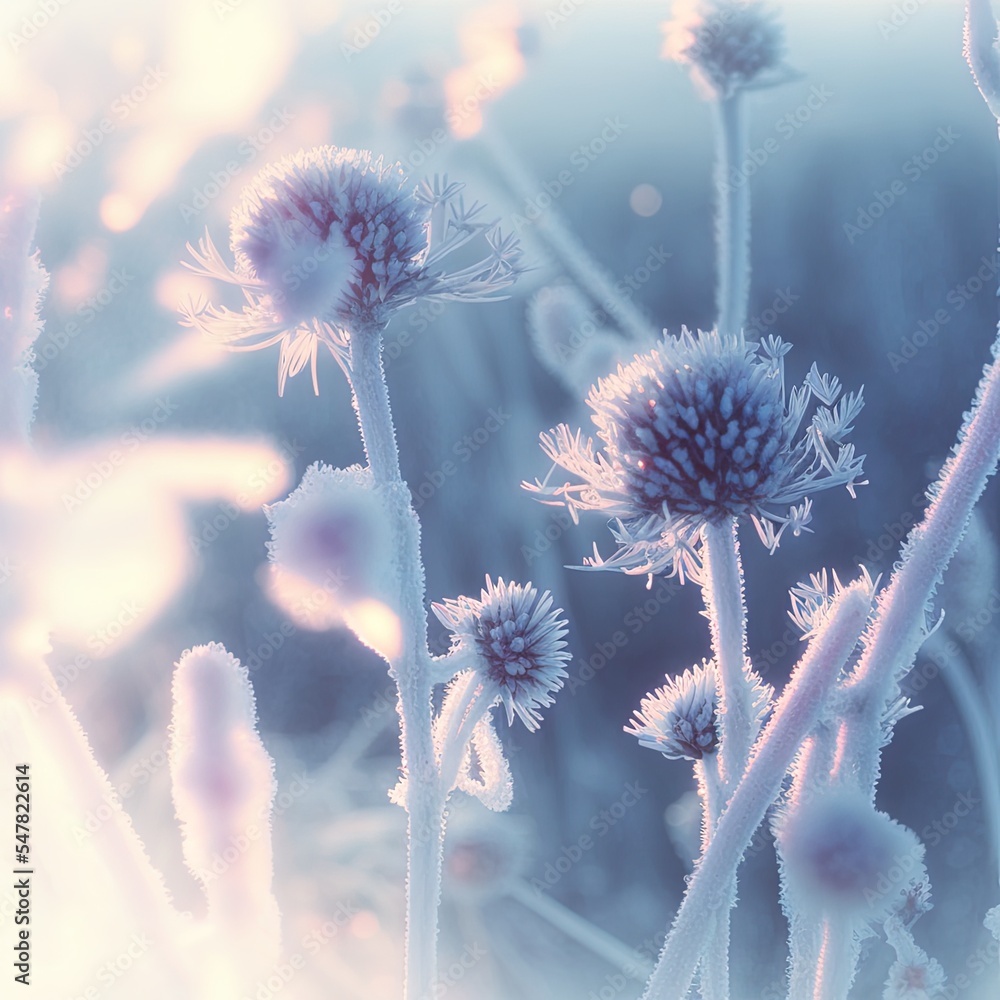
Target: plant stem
592,278
837,959
796,713
723,594
733,224
602,944
900,627
410,669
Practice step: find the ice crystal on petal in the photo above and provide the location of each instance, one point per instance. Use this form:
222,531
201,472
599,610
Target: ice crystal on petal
331,240
679,719
697,431
517,641
729,44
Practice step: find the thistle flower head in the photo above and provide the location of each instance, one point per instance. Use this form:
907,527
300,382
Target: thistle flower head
729,44
696,432
330,241
679,719
516,641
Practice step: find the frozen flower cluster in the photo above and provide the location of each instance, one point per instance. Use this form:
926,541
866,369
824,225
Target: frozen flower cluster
517,641
729,44
698,431
331,241
679,719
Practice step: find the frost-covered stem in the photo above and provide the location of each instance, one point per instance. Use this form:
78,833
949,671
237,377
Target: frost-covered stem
472,704
899,628
985,749
588,274
805,936
410,669
714,977
733,224
793,718
837,960
723,593
582,931
981,53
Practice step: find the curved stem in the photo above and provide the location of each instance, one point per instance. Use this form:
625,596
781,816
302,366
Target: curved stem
588,274
733,224
411,670
795,715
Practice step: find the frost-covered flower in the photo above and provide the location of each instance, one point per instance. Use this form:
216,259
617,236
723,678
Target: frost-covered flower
914,975
698,431
333,533
329,241
516,641
841,854
679,719
730,44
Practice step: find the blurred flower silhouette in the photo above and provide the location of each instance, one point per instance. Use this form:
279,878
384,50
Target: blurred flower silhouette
517,643
332,240
698,431
730,45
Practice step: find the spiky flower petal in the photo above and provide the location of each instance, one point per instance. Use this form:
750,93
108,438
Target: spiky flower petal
679,719
332,240
699,431
729,44
517,643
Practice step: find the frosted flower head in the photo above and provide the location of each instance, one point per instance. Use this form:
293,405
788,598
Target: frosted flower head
516,641
696,432
914,975
679,719
332,532
842,855
329,241
730,45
